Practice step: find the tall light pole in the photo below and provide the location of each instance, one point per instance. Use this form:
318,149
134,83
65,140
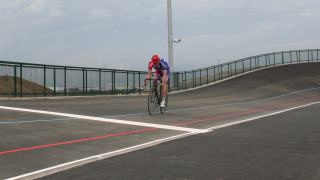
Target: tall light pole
171,41
170,45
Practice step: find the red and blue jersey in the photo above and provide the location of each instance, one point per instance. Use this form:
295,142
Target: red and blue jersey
163,65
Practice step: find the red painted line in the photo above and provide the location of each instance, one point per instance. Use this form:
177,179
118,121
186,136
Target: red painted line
74,141
142,130
257,110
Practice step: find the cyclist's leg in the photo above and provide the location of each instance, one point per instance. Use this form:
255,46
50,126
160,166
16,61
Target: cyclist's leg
156,75
164,88
164,91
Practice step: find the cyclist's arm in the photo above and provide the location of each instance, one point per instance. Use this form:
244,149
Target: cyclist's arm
148,77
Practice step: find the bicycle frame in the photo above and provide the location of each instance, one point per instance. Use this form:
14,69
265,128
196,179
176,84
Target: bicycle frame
155,83
155,96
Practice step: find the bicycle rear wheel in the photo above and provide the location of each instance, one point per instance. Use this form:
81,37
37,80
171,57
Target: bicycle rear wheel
153,104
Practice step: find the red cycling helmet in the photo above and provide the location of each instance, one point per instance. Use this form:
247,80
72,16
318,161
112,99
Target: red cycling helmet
155,58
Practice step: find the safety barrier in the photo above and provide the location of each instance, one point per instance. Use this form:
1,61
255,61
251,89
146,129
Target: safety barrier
25,79
199,77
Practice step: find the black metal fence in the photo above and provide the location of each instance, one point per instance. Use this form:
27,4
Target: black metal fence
25,79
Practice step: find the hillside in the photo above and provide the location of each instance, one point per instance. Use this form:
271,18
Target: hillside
28,87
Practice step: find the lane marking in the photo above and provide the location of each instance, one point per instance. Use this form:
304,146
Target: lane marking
194,132
174,110
259,117
245,102
160,126
68,165
75,141
79,162
33,121
248,112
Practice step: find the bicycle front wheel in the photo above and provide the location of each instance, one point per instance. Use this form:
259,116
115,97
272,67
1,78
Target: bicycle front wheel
152,102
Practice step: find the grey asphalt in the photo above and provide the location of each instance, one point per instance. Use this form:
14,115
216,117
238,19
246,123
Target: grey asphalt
281,146
271,148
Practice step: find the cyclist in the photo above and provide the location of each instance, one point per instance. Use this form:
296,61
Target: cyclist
161,71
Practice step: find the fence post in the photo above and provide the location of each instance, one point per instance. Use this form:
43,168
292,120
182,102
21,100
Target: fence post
139,82
44,81
21,80
265,57
185,80
54,81
182,80
83,82
100,81
220,72
134,83
178,81
255,63
86,82
15,81
214,74
65,80
127,82
207,75
14,94
282,58
193,79
200,77
242,65
220,76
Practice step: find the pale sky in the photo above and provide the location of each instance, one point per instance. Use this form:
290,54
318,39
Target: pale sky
126,33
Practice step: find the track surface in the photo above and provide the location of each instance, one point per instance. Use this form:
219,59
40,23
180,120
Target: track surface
263,125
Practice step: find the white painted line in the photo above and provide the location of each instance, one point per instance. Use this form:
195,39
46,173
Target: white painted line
259,117
160,126
68,165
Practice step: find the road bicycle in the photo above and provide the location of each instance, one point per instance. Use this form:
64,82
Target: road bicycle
155,97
